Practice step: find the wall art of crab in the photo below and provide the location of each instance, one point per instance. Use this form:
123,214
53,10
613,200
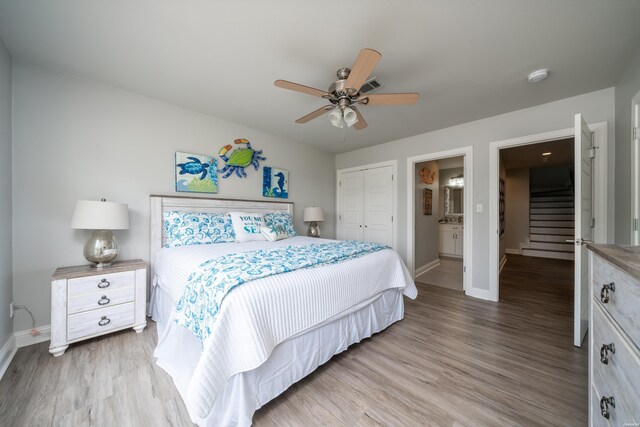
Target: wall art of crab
275,182
196,173
238,156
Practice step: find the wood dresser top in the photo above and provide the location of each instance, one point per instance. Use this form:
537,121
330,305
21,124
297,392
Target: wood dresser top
626,258
86,270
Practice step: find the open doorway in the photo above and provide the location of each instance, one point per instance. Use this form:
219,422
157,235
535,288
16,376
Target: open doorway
440,189
439,222
537,213
590,207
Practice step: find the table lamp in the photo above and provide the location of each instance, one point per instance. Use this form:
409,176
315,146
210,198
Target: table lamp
102,247
313,215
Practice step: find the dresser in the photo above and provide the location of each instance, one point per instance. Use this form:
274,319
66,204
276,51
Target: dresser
614,362
88,302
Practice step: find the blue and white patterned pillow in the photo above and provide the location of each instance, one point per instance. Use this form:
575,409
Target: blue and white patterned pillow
280,221
247,226
197,228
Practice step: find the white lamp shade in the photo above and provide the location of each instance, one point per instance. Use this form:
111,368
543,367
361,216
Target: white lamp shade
335,117
350,117
100,215
313,213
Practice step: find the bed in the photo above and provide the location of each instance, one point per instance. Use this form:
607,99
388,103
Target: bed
270,332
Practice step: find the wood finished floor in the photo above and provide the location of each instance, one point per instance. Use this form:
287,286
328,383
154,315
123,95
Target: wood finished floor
453,361
448,274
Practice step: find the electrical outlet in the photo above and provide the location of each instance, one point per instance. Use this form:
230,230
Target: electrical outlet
12,311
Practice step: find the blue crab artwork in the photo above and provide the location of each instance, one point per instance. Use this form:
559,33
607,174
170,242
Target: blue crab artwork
238,158
194,167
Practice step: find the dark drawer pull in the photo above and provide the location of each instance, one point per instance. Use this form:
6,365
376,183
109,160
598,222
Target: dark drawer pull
604,293
104,320
605,402
104,300
104,284
604,352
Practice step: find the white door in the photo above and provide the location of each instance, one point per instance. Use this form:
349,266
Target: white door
378,201
351,189
448,242
583,226
460,242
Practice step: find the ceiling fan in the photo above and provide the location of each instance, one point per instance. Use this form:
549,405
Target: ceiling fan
344,93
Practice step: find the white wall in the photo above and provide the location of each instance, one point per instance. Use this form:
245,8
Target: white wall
427,237
77,139
596,106
516,196
627,87
6,291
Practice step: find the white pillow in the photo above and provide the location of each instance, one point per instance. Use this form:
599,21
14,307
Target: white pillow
247,226
272,234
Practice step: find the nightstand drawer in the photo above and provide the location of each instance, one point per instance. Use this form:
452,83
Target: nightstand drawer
104,298
97,283
621,373
97,322
622,302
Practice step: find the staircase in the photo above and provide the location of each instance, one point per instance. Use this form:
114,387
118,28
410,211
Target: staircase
551,216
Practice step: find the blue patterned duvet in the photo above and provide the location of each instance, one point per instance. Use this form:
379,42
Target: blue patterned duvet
207,287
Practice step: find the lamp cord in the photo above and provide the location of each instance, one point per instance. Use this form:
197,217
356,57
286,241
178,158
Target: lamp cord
34,331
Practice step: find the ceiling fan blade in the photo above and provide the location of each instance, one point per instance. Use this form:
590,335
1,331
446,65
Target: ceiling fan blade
390,99
362,68
312,115
361,123
300,88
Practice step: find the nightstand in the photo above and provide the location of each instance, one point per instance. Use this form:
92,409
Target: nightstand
88,302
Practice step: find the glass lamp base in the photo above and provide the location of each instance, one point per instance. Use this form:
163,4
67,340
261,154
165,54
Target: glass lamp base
313,230
101,249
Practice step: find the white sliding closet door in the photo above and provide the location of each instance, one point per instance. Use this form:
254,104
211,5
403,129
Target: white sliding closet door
378,205
352,202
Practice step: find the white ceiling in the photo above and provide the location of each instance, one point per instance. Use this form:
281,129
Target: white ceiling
468,59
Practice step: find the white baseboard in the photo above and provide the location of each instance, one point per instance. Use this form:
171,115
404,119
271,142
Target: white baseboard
427,267
24,338
6,354
513,251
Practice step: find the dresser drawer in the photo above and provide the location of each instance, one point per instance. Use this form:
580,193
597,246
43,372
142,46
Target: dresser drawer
91,284
618,415
621,375
97,322
624,302
107,297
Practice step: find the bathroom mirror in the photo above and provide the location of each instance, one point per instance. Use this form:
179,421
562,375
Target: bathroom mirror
453,200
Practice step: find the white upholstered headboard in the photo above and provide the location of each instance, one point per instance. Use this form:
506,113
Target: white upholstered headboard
161,204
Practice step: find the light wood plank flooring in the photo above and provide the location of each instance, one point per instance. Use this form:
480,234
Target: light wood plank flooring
446,275
453,361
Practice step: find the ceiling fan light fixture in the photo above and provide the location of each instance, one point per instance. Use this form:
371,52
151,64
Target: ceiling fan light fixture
335,117
350,117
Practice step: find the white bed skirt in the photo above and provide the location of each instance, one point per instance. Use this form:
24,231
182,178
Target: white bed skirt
178,352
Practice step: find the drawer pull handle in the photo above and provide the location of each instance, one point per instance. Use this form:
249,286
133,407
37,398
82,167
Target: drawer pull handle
104,300
604,293
604,352
604,406
104,283
104,320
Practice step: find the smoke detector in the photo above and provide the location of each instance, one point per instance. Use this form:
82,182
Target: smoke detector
538,75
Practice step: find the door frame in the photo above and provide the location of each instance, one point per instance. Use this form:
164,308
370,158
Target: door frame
394,198
467,152
635,171
600,232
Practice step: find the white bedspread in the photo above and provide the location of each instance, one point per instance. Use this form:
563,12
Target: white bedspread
258,315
